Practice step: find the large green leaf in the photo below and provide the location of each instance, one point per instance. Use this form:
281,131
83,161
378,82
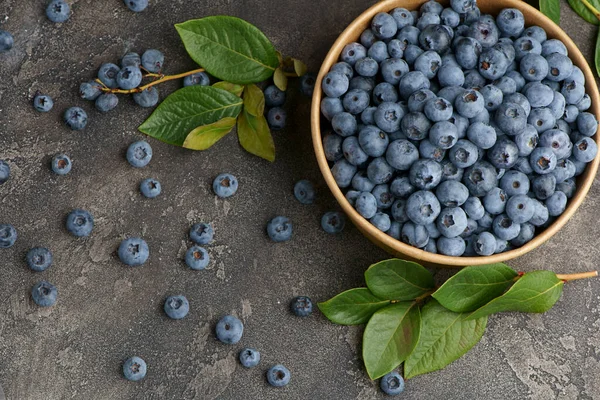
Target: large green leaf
534,292
583,11
400,280
445,337
229,48
551,9
473,287
205,136
255,136
352,307
389,337
187,109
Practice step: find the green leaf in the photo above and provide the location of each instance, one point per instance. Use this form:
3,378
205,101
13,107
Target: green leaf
229,48
205,136
445,337
534,292
389,337
473,287
551,9
597,54
187,109
280,80
400,280
299,67
352,307
254,136
254,100
582,10
230,87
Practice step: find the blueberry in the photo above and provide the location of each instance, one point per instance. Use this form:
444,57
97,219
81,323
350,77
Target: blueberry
463,6
355,101
428,64
90,90
503,154
153,60
577,75
493,64
568,187
467,51
431,151
485,32
452,193
131,60
401,187
443,134
366,205
450,18
538,94
481,135
249,357
202,79
134,369
431,6
150,188
483,116
425,174
438,109
422,208
514,183
415,125
373,141
225,185
139,154
454,246
501,245
571,113
511,22
278,376
202,233
61,164
524,46
393,69
381,221
470,16
451,222
485,244
543,186
353,152
362,83
335,84
505,228
395,49
558,141
463,154
42,103
4,172
343,172
392,384
44,294
344,68
304,191
494,201
197,258
136,5
518,78
383,196
379,171
58,11
526,233
75,118
176,307
435,37
469,103
506,46
473,208
585,103
573,91
6,41
367,117
560,67
565,169
384,26
133,252
409,35
579,165
511,118
108,73
8,236
367,67
129,78
398,211
146,98
450,93
416,101
106,102
540,215
415,235
411,82
506,85
543,160
480,178
80,223
383,92
333,222
279,229
274,97
535,32
307,84
403,17
520,208
411,53
587,124
344,124
541,119
486,221
585,150
450,75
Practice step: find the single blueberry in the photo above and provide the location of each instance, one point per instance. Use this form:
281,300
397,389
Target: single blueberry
366,205
249,357
8,236
61,164
278,376
225,185
75,118
273,96
415,235
136,5
150,188
129,77
153,60
279,229
307,84
176,307
201,79
133,252
304,191
202,233
139,154
343,172
505,228
197,258
134,369
229,329
106,102
44,294
108,75
422,208
4,172
392,384
131,59
80,223
6,41
333,222
276,118
146,98
58,11
90,90
43,103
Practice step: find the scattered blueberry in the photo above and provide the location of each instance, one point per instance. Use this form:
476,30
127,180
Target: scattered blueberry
276,118
304,191
229,329
278,376
75,118
39,259
6,41
136,5
43,103
333,222
8,236
176,307
153,60
139,154
90,90
58,11
106,102
279,229
80,223
4,172
133,252
202,233
147,97
61,164
134,369
225,185
197,258
249,357
44,294
150,188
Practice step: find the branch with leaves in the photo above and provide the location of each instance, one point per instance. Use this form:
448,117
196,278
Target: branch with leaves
411,321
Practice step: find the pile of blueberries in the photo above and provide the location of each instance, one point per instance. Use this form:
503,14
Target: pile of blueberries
456,132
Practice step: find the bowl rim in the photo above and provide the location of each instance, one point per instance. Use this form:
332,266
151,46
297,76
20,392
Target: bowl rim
389,243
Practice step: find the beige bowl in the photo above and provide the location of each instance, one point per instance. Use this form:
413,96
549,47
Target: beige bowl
396,247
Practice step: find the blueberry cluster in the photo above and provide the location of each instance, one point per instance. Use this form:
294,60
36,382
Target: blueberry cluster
59,11
274,100
457,132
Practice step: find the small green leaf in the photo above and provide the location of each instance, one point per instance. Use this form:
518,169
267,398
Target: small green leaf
232,88
352,307
445,337
400,280
473,287
229,48
582,10
205,136
187,109
534,292
390,336
551,9
254,136
280,79
299,67
254,100
597,54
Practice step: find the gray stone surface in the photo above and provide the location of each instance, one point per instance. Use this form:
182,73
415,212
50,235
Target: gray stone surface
107,312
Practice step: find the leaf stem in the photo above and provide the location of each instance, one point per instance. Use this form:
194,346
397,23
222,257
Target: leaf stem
591,8
161,79
424,296
581,275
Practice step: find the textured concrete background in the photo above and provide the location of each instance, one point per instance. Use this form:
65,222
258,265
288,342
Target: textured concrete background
106,312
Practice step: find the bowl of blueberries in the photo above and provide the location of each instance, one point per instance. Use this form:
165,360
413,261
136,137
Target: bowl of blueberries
456,133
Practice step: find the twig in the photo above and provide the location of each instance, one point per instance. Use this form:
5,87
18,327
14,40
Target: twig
581,275
591,8
162,78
